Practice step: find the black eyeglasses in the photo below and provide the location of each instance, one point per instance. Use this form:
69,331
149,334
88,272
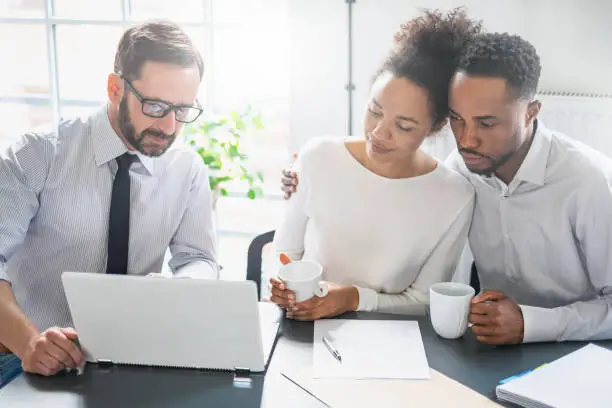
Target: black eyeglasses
156,108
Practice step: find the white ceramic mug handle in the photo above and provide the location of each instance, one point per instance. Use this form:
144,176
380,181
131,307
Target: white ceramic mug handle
323,289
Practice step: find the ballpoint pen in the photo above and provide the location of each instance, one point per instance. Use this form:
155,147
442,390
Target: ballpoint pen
331,349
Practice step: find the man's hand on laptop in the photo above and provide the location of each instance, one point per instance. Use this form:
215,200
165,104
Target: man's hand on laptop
52,351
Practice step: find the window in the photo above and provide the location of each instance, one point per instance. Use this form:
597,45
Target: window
66,50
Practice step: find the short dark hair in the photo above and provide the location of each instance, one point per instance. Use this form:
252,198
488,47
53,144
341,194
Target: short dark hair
504,56
427,51
158,41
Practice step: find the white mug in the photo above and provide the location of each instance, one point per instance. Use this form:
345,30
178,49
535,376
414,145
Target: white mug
304,278
449,306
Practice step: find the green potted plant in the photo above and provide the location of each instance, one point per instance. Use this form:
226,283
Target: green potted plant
220,142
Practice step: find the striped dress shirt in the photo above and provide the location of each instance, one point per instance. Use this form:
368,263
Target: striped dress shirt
55,192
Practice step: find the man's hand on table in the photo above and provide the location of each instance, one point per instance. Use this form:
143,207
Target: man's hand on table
496,319
52,351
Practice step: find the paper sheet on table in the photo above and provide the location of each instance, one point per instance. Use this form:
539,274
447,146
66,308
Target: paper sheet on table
383,349
440,391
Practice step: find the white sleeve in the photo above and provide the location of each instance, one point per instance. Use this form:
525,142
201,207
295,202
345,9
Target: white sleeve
439,267
289,235
590,319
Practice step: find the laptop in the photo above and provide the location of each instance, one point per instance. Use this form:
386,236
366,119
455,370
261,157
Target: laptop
152,321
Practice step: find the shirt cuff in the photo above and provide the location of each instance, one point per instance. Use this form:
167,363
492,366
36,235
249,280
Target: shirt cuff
368,299
540,324
198,270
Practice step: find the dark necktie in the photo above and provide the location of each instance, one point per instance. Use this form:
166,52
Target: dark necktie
119,220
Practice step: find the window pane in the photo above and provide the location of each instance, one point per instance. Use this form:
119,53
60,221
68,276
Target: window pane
200,37
269,151
253,216
263,81
88,9
70,112
17,118
264,12
178,10
28,72
263,215
232,255
22,8
86,55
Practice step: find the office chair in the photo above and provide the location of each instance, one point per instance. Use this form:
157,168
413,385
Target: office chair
256,246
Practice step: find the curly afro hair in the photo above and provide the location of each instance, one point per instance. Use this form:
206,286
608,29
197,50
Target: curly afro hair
504,56
427,51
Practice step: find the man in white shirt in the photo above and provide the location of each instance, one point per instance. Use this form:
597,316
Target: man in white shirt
541,234
104,194
542,228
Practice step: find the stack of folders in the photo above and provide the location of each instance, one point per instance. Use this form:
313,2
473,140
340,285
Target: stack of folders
579,379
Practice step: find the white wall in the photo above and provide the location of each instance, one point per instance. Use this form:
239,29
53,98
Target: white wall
571,36
318,69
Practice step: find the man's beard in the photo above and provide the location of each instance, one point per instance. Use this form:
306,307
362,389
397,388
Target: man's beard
496,163
136,141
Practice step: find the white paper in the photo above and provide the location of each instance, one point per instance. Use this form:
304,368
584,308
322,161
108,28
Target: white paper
579,379
370,349
439,391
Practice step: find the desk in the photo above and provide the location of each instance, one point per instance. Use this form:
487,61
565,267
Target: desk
473,364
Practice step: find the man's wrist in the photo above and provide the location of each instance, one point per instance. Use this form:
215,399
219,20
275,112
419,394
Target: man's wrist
24,346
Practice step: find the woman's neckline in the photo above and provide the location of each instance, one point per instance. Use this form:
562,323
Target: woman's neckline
345,141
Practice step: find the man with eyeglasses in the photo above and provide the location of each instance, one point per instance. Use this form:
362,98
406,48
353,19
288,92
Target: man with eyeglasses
104,194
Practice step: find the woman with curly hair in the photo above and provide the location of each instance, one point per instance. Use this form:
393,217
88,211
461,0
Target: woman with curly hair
388,220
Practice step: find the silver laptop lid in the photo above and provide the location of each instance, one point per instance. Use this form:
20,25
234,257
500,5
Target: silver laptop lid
167,322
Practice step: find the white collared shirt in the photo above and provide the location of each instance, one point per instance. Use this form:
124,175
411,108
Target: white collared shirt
545,239
55,192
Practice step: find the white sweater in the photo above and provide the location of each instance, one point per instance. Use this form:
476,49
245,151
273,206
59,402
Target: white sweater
391,238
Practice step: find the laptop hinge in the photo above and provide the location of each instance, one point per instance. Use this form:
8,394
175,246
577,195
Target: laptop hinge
242,378
242,372
104,363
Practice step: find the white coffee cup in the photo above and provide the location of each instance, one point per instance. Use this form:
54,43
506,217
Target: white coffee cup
449,306
304,278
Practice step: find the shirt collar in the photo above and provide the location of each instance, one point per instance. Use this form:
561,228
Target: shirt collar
533,168
108,145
